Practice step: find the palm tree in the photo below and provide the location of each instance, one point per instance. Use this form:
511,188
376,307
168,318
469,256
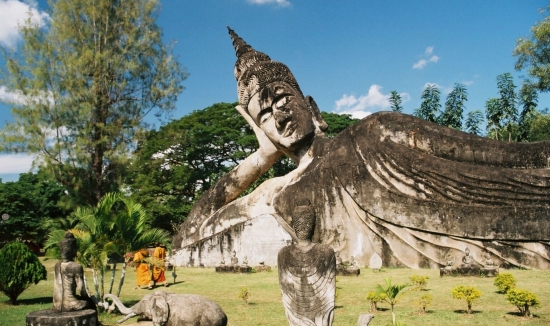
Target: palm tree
117,225
132,229
390,294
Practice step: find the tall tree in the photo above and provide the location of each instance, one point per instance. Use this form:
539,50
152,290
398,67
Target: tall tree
454,107
473,122
430,105
395,102
532,53
528,99
507,102
84,86
494,118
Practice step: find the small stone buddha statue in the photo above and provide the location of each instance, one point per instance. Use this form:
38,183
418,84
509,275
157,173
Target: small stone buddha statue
307,274
234,259
69,290
467,260
489,261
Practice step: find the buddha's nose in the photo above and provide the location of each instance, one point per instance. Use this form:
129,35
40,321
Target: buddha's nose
281,118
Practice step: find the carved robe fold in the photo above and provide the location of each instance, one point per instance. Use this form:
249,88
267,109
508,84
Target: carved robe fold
308,284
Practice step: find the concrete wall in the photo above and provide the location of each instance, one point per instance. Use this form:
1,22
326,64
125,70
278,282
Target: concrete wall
248,239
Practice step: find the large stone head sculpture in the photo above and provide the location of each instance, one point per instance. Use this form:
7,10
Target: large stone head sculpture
270,94
68,247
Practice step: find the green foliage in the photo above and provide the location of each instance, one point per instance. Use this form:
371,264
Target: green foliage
32,203
454,107
505,282
419,281
522,299
430,105
84,85
20,269
473,121
245,295
337,122
423,302
117,226
468,293
507,102
173,166
374,298
395,102
528,99
539,128
532,54
391,294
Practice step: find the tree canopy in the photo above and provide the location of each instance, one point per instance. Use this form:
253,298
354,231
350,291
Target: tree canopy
532,53
32,203
83,86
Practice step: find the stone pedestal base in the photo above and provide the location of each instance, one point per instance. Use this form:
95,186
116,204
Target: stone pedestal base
233,269
474,271
49,317
348,271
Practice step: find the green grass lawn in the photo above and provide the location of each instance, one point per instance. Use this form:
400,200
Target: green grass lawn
265,307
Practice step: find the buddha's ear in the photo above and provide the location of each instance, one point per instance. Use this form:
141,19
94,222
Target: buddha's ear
317,117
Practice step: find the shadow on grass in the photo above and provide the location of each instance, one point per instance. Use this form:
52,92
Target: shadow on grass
518,314
464,312
31,301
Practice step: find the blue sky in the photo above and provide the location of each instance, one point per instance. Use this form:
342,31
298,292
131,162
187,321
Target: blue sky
347,54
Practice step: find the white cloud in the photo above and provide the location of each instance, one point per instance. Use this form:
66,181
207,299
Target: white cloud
362,106
10,97
281,3
15,163
14,13
428,57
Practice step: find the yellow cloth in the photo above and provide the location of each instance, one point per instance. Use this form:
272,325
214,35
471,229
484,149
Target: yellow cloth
158,272
142,268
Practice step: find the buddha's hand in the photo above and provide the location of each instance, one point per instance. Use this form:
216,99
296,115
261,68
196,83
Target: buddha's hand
268,151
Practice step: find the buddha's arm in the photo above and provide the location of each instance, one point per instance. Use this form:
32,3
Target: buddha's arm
231,185
80,285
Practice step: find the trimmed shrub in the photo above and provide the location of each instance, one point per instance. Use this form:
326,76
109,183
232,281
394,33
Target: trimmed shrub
245,295
20,269
424,301
374,298
468,293
419,281
504,282
522,299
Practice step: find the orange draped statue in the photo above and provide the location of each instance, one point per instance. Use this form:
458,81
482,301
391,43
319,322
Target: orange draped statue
143,276
158,272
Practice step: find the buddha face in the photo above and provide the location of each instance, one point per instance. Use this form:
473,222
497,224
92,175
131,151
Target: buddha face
282,113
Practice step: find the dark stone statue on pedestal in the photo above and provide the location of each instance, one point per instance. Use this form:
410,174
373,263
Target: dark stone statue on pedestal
307,274
71,303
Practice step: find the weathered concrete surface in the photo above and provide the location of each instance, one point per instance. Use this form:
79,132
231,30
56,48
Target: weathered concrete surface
259,239
410,191
49,317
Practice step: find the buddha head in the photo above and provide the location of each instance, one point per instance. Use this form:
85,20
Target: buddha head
68,247
270,94
303,222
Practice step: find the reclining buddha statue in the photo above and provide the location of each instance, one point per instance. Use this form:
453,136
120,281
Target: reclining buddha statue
409,190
